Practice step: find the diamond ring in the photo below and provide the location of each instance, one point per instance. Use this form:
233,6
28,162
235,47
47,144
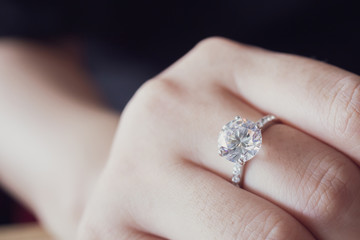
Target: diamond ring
240,140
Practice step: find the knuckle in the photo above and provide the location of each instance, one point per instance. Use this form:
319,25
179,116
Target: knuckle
269,225
157,93
276,227
265,224
330,193
212,43
158,100
218,53
345,106
280,230
208,52
156,109
212,49
90,231
101,228
218,46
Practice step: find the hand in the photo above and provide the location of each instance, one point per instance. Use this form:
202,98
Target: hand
55,132
165,179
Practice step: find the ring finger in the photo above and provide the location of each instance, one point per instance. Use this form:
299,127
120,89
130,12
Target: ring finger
313,181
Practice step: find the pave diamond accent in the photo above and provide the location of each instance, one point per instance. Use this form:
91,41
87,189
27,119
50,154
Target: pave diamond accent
237,173
239,140
235,179
265,120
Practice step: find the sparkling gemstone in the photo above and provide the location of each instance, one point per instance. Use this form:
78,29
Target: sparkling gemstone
239,140
235,179
237,169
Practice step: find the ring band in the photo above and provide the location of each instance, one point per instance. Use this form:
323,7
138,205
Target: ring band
240,140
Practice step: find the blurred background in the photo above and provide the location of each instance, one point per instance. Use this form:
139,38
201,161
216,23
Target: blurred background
124,43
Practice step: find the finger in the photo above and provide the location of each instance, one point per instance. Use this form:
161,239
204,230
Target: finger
312,181
318,98
194,204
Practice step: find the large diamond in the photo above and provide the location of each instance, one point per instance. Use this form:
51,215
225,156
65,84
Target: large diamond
239,140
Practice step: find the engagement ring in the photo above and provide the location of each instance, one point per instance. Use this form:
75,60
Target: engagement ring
240,140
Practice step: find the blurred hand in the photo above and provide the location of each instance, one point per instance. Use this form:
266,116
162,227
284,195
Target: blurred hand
165,179
55,132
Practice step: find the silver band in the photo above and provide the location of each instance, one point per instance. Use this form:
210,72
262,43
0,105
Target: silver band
266,121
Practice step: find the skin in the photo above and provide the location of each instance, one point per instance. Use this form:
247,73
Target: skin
164,179
56,132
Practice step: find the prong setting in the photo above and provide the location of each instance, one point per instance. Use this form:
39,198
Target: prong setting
223,151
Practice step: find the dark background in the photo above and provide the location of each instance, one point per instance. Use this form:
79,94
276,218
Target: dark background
127,42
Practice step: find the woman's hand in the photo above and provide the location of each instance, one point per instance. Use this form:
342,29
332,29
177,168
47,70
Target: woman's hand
55,132
165,179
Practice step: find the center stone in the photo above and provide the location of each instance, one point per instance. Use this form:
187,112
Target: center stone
239,140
